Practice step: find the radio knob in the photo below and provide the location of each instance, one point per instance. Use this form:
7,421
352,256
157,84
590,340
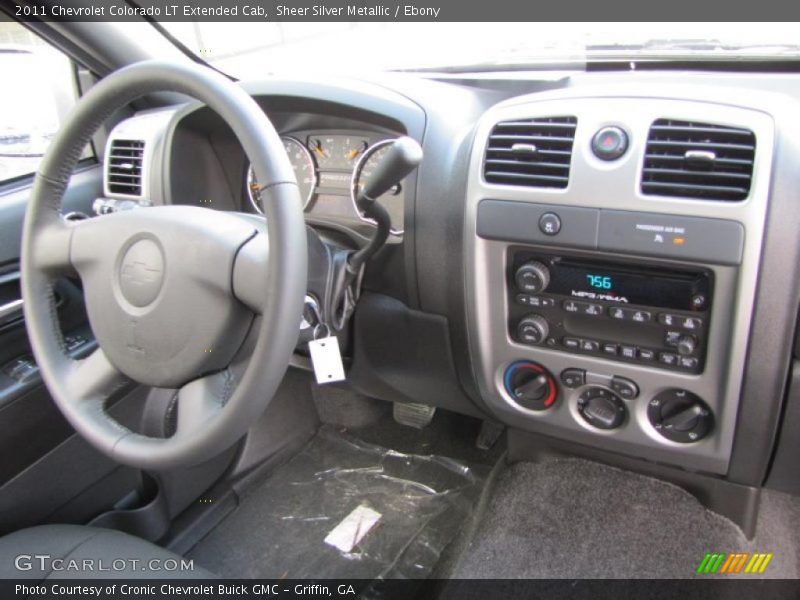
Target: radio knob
686,345
532,277
533,329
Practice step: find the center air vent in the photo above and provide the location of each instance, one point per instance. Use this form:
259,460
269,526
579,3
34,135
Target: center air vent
124,164
530,152
698,160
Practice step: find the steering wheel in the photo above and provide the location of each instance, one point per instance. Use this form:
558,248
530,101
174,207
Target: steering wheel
159,284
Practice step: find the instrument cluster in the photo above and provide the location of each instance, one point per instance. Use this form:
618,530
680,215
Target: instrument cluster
330,168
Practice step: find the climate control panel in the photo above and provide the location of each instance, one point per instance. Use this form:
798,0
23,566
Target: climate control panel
655,316
605,403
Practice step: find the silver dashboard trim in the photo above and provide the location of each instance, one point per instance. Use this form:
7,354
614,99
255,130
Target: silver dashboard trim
616,185
149,127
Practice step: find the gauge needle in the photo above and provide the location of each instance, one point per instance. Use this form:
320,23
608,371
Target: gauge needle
318,150
353,153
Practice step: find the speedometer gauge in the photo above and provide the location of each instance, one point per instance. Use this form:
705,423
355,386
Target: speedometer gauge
304,170
393,200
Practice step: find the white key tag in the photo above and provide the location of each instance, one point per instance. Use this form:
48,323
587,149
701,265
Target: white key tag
326,359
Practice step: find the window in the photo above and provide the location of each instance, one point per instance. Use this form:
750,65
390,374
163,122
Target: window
37,91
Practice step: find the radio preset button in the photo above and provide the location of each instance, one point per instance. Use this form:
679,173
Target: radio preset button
593,310
610,349
668,358
590,345
625,388
645,354
615,312
571,306
629,314
628,351
684,322
691,323
671,338
571,343
573,378
668,319
688,362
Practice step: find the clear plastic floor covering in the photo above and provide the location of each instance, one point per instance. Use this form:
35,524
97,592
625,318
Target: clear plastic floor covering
280,529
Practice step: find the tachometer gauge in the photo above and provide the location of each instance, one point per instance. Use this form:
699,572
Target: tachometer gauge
304,170
393,200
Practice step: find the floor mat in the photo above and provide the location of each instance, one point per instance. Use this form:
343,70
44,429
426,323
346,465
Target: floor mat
280,528
570,518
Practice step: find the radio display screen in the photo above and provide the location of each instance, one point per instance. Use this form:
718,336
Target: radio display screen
630,285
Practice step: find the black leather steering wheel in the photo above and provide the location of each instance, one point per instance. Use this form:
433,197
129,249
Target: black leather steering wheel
159,284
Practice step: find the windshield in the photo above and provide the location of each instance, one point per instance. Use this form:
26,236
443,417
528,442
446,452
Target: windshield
248,50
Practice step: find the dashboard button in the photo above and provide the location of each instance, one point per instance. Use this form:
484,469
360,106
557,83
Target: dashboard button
668,319
535,301
571,343
668,358
645,354
609,143
590,345
671,338
610,349
573,378
615,312
688,362
629,314
550,223
691,323
571,306
625,388
627,351
593,310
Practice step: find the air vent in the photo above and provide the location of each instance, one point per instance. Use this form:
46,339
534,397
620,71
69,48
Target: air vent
125,159
698,160
530,152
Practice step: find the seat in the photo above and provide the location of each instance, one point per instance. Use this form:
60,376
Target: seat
78,551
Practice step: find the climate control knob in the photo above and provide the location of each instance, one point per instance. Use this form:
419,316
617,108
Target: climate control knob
602,408
533,329
530,385
680,416
532,277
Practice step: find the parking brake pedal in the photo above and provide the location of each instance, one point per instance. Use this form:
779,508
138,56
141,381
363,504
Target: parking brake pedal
412,414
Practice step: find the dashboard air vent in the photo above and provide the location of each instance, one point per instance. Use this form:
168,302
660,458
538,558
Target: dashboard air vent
698,160
530,152
124,166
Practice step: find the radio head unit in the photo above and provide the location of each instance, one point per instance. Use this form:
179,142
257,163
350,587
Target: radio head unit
621,311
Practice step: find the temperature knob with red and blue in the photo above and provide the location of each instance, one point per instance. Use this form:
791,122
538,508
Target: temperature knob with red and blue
530,385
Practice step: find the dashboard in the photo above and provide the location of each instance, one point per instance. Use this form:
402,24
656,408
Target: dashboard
595,258
331,166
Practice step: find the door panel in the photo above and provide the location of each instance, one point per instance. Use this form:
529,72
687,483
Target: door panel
45,466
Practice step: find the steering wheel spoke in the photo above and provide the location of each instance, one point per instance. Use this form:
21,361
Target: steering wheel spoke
201,400
51,254
93,379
